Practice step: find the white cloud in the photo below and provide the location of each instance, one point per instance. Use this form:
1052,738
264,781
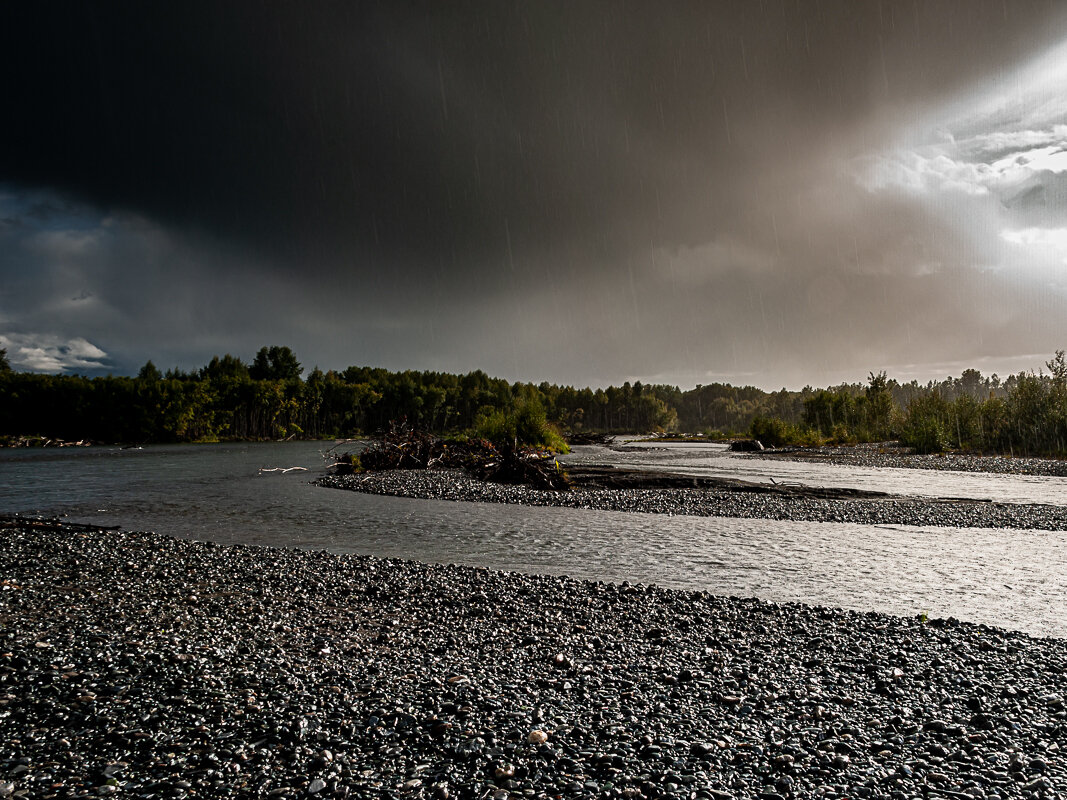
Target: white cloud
983,147
36,352
984,142
1044,251
992,166
1049,237
916,173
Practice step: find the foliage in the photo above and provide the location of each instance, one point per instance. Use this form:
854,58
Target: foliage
220,369
275,364
925,427
404,447
231,400
1025,414
149,373
5,365
524,426
774,432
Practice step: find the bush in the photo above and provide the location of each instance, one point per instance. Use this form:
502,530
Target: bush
925,428
525,426
775,432
842,434
926,436
771,431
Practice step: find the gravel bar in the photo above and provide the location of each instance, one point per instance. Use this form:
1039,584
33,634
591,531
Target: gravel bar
138,665
955,513
892,454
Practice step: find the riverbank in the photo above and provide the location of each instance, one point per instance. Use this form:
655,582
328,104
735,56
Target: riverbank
143,666
703,502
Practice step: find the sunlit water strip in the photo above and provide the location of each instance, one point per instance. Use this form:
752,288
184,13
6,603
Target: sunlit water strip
714,460
1009,578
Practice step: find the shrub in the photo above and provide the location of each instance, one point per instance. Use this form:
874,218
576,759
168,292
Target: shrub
842,434
525,426
775,432
772,431
925,428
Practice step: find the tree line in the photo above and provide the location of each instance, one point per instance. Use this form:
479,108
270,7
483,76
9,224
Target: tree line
270,398
1023,415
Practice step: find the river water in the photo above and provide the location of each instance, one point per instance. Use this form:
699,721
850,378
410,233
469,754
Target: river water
1009,578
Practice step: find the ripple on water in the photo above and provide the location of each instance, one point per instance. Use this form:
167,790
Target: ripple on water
1010,578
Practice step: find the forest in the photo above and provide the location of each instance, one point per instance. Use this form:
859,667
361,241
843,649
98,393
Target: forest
270,398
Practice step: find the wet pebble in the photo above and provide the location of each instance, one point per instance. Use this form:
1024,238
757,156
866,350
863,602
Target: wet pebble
278,683
457,486
892,454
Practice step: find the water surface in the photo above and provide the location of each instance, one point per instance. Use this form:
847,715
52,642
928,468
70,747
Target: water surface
1010,578
715,460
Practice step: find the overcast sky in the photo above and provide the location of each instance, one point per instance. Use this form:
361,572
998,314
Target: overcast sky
767,193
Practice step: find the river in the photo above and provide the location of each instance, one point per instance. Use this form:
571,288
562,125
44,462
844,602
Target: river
1009,578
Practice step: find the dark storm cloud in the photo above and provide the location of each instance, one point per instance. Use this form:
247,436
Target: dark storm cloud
580,191
425,127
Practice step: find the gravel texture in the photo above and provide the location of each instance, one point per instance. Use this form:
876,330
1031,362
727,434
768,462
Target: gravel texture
892,454
137,665
455,485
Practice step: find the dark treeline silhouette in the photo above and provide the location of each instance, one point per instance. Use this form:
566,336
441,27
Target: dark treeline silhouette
229,399
270,398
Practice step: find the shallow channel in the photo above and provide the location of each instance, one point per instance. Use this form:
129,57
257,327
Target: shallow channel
1009,578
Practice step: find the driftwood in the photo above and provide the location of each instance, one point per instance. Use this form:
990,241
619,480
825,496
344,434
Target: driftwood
583,437
42,441
515,466
404,447
747,446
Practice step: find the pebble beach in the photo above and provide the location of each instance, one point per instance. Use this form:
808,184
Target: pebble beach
137,665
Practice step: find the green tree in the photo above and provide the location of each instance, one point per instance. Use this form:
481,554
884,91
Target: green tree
149,372
226,367
927,423
275,364
878,408
5,365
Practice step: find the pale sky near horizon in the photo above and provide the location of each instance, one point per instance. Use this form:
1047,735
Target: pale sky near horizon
765,193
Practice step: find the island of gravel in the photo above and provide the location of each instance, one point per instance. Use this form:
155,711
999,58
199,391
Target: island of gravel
145,666
893,454
607,489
